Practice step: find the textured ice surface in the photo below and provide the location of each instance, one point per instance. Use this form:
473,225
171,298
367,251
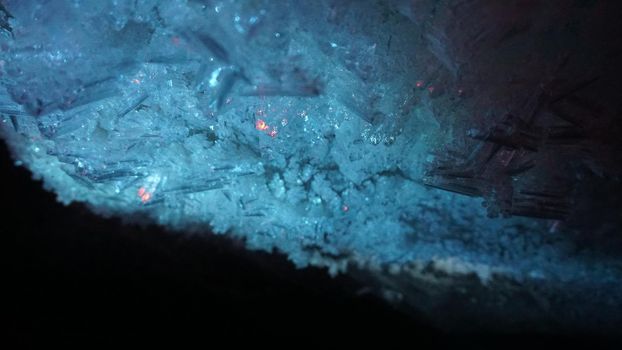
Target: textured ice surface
291,124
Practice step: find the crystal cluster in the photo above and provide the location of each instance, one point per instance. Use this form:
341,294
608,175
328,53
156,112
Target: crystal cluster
306,126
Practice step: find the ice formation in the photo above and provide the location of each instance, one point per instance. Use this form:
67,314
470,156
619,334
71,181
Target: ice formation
301,126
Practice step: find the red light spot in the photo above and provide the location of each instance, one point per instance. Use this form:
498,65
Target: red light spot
273,133
345,208
135,81
141,191
431,89
419,83
261,125
145,197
